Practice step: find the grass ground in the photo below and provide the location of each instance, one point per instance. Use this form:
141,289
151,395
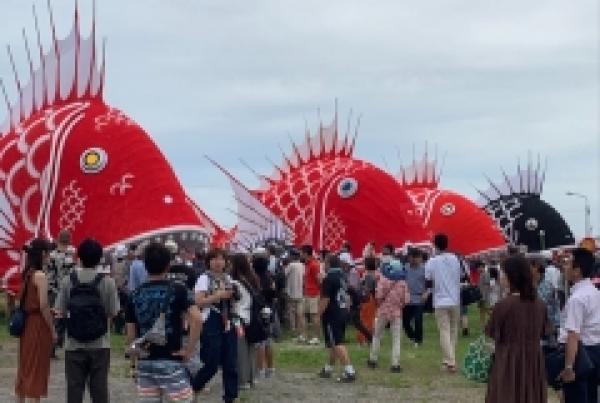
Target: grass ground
420,365
295,380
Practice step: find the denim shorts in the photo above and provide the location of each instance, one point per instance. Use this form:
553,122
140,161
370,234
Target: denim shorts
163,381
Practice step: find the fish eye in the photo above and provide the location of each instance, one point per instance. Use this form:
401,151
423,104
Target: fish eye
93,160
347,188
448,209
531,224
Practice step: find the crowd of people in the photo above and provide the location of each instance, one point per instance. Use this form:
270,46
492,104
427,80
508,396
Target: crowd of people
188,315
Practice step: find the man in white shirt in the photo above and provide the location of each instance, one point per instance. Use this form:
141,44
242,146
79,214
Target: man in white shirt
582,324
442,272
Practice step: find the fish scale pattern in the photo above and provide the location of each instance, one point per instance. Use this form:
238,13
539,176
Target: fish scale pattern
294,195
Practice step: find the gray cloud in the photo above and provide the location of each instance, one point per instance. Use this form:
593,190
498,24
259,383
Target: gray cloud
484,82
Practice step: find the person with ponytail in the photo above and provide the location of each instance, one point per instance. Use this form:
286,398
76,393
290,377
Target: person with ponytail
38,337
517,325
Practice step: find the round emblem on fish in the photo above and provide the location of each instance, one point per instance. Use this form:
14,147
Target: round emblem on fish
93,160
448,209
531,224
347,187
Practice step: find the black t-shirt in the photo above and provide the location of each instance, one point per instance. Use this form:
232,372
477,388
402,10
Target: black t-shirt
184,274
335,287
145,307
267,286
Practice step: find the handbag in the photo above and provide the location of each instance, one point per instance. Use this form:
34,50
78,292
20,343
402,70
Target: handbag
478,360
555,363
16,323
156,335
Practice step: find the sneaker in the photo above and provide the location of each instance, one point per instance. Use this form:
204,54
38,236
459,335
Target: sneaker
347,377
396,369
417,345
372,364
325,374
314,341
301,340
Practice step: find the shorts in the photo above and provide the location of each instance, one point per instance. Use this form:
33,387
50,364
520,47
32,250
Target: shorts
334,332
163,381
311,305
268,342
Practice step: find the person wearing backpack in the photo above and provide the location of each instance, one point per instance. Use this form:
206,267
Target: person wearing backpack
264,350
161,374
334,311
355,292
87,300
391,296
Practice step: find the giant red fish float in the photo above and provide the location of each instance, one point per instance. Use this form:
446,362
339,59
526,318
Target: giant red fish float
68,160
322,195
470,230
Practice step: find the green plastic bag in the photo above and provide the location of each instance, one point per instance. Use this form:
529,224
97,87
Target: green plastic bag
477,363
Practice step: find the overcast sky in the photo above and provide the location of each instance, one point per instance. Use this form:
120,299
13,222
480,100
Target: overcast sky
487,82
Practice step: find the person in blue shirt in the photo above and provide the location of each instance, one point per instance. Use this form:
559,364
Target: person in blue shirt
137,270
412,317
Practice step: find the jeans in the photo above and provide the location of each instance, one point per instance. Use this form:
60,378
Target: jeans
412,321
448,319
89,367
585,389
218,348
396,327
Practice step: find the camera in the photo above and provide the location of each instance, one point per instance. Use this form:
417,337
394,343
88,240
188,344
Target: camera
236,295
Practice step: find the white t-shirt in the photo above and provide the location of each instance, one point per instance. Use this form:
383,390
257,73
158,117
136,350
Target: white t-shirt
445,271
582,314
202,285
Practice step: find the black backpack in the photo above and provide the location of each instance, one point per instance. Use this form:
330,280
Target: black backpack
258,328
86,320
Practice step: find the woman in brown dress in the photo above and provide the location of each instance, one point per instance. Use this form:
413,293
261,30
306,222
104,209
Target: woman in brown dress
35,344
517,324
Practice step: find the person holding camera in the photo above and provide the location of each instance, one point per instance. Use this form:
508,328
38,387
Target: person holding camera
214,293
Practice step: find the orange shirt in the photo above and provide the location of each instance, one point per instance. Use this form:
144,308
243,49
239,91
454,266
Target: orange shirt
312,288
